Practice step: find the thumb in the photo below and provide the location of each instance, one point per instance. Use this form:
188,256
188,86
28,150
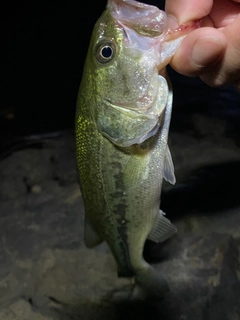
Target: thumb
199,49
227,70
183,11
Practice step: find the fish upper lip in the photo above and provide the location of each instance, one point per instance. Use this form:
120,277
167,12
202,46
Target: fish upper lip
141,17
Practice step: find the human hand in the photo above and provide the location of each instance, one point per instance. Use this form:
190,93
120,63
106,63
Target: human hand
213,51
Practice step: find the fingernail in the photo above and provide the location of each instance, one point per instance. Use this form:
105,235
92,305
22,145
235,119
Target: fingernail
206,50
172,22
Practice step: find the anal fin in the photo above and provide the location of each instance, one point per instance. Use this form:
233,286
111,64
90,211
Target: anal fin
162,229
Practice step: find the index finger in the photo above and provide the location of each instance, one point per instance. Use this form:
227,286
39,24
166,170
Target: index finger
184,11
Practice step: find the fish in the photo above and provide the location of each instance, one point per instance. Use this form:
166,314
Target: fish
122,121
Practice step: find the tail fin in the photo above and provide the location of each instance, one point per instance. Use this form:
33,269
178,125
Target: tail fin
152,283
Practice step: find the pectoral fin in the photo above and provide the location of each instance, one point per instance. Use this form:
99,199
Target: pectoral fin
168,171
162,229
91,238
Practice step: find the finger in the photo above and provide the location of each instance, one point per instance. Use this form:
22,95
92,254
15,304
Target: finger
227,70
198,50
183,11
224,12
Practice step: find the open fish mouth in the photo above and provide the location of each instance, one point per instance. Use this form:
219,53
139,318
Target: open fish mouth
140,19
145,19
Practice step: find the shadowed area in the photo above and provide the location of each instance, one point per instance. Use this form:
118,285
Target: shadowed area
210,188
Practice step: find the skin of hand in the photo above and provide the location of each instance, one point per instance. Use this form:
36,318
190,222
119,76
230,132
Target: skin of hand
211,52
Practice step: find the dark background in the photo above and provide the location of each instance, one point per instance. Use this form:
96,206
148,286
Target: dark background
44,44
43,48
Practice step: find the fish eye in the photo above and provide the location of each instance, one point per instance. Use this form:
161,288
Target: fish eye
105,52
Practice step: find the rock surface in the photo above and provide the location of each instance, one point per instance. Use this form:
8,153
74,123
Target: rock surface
47,273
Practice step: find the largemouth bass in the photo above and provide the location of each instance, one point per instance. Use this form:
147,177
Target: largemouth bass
122,122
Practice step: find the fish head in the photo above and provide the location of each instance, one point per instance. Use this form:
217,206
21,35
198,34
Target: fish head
126,68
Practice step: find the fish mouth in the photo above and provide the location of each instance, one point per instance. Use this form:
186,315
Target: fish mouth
144,28
145,19
139,19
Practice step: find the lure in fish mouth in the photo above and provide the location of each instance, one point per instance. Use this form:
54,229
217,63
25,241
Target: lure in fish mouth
122,122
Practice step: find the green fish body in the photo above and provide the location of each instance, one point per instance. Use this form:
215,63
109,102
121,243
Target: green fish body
122,122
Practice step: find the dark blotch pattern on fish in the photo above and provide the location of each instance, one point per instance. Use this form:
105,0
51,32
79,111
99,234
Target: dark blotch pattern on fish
120,212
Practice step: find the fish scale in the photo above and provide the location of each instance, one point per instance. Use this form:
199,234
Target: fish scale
122,122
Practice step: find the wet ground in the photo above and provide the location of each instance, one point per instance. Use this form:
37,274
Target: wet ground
46,272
